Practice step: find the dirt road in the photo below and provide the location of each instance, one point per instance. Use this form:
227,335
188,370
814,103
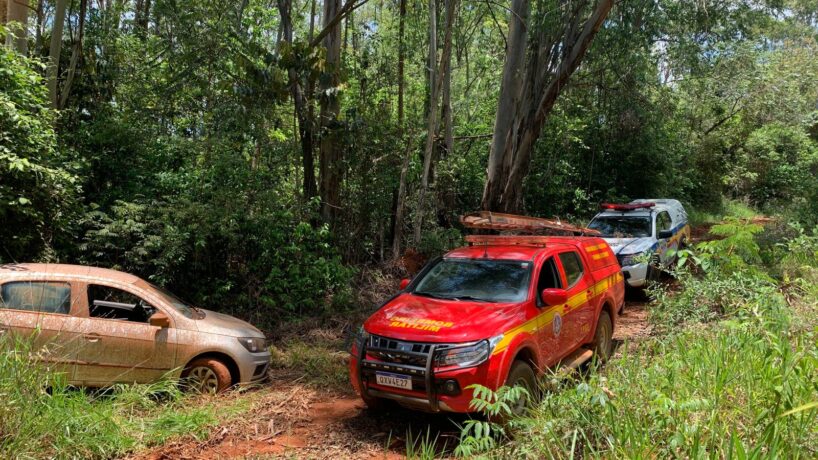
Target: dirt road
291,420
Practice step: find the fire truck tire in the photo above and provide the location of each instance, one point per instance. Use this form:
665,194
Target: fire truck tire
521,374
603,338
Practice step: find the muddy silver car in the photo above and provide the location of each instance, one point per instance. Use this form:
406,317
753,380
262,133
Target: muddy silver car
100,326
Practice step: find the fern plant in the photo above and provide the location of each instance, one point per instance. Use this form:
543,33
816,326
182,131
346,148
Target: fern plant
480,436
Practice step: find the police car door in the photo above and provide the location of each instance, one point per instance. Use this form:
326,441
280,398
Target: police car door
663,235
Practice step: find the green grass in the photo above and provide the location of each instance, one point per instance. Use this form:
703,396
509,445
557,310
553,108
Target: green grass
728,207
732,374
41,417
320,362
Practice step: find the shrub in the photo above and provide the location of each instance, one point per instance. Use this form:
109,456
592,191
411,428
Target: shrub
37,186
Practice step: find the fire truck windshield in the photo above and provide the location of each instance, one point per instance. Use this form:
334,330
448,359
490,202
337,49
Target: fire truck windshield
476,280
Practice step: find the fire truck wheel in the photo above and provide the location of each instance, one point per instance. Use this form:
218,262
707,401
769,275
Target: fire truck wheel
521,374
603,338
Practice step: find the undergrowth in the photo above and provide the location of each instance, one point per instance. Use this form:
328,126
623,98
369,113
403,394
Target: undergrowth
730,372
42,417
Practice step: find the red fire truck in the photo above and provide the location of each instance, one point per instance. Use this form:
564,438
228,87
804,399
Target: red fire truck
496,312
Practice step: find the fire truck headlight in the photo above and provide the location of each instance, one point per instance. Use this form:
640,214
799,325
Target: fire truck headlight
463,356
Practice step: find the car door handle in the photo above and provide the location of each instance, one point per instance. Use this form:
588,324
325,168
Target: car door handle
93,338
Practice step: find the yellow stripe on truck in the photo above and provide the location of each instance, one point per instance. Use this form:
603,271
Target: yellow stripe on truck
547,316
602,255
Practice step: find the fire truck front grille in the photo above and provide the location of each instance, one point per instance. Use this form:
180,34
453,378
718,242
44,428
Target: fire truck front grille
398,352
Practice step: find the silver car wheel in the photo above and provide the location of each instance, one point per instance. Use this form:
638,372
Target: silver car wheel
204,380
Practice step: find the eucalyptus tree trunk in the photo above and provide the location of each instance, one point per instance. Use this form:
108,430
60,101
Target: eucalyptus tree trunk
436,78
303,107
431,122
330,167
76,57
543,52
400,203
54,53
17,11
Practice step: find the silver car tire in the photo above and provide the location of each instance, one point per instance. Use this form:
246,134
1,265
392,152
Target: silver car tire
207,375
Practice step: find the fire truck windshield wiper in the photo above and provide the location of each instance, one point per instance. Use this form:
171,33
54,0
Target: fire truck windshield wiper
429,294
468,297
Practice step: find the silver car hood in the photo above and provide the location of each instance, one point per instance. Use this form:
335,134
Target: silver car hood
219,323
626,246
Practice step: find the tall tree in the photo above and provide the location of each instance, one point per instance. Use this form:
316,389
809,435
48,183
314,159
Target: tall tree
436,77
400,202
301,101
17,11
54,52
76,56
541,56
330,159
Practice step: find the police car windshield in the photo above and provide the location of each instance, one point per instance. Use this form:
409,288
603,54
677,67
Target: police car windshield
622,226
476,280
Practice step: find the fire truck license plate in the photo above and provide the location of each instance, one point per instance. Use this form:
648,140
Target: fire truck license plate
393,380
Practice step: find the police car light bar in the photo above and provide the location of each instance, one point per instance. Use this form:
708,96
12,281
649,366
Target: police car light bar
626,207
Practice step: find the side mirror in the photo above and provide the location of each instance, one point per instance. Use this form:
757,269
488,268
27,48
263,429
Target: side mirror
403,283
552,296
159,319
665,234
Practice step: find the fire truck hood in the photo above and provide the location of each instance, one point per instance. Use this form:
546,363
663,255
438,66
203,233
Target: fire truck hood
423,319
625,246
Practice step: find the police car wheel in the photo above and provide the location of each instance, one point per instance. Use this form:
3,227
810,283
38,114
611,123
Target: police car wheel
654,270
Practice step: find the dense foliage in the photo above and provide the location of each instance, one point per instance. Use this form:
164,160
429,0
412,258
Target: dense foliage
177,150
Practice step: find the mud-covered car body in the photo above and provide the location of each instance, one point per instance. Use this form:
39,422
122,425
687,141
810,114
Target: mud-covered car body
642,233
98,326
468,316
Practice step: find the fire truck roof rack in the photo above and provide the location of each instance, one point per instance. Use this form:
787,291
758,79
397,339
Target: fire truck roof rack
627,207
487,220
507,240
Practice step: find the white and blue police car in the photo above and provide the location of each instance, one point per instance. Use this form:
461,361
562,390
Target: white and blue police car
644,234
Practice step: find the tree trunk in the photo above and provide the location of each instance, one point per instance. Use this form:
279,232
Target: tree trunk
397,227
54,53
3,11
38,35
529,89
330,148
306,126
17,11
510,95
141,16
448,133
76,57
435,82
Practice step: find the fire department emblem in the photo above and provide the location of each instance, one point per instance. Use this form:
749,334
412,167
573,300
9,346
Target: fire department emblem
557,324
